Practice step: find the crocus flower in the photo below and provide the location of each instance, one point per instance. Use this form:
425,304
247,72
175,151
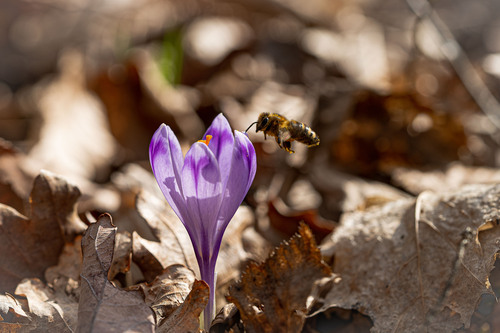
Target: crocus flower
205,188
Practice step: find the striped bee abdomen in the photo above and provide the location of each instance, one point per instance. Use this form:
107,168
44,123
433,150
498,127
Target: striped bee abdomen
303,133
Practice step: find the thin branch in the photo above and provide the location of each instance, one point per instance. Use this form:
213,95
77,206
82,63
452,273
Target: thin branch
460,62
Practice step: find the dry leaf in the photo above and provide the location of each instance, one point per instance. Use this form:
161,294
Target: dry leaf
168,291
102,307
176,298
227,319
29,246
186,317
272,296
35,307
417,265
48,311
12,314
47,308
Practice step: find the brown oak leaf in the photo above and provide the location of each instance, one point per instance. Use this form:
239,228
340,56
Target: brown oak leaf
272,296
30,245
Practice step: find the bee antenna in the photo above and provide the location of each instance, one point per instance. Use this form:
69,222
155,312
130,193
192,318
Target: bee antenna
251,126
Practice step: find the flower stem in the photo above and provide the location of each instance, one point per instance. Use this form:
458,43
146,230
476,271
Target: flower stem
207,270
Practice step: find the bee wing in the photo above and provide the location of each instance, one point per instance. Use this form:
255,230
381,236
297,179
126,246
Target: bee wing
291,112
284,134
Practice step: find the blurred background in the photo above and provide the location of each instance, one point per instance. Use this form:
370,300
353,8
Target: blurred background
403,94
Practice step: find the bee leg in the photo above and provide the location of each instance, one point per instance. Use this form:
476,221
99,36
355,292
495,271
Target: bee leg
278,141
287,145
265,137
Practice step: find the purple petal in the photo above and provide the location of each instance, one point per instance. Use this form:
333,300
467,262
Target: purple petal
242,173
247,149
221,144
202,187
165,156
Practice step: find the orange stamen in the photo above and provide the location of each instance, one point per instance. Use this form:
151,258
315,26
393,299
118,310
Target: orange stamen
207,140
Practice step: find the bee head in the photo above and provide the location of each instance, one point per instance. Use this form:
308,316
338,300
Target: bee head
262,121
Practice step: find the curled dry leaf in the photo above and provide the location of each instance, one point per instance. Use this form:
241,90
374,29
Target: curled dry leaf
168,290
186,317
12,315
417,265
47,311
176,298
272,296
102,307
35,307
31,245
227,319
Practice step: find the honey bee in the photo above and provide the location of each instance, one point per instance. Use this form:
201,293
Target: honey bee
285,131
